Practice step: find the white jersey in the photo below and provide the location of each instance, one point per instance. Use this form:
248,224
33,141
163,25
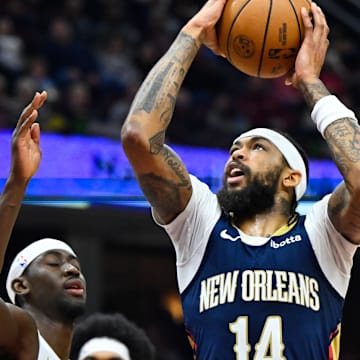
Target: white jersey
45,350
190,233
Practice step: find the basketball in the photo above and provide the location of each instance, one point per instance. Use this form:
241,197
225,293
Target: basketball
261,38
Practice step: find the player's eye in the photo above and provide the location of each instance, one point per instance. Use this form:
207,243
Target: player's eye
258,146
53,263
52,260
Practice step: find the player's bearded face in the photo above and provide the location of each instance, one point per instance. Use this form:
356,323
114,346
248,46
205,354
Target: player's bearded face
257,197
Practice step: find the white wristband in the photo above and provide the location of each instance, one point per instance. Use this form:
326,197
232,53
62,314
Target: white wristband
327,110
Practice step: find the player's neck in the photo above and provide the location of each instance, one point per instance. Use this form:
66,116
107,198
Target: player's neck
264,225
58,334
267,222
59,337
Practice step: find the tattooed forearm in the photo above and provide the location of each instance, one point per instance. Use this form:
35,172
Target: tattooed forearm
148,102
313,92
161,87
171,159
166,115
157,142
176,166
185,41
162,193
341,161
343,138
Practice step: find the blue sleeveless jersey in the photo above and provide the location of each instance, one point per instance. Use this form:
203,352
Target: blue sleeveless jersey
261,302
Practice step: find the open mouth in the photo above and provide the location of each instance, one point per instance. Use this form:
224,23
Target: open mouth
235,176
74,287
236,172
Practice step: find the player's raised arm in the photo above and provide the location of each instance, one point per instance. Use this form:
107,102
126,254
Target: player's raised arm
334,121
25,160
161,174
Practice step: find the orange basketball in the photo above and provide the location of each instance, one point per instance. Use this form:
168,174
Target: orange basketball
262,37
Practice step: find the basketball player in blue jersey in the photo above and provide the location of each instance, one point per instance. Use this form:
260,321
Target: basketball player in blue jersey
257,281
44,283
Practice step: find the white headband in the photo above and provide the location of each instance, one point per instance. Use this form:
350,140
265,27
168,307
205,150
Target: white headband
104,344
23,259
287,149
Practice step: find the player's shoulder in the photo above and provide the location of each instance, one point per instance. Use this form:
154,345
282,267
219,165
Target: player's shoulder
22,333
21,316
319,208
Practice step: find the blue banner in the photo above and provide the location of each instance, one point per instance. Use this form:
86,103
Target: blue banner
78,167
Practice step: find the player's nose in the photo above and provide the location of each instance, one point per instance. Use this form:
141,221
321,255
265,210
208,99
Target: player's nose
239,154
70,269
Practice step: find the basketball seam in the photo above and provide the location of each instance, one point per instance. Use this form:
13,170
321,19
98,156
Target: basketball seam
264,40
230,29
297,21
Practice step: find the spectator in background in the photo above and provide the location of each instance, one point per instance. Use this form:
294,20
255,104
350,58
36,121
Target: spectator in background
110,337
69,59
77,107
24,88
38,71
115,63
5,104
12,60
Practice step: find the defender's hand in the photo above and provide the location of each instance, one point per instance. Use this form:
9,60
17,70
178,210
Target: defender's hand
25,145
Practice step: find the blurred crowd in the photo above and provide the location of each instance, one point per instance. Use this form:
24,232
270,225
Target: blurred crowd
91,57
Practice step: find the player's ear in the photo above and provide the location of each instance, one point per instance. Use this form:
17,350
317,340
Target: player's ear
291,178
21,285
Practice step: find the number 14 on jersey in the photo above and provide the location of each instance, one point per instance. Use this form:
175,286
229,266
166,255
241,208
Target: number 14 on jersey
270,345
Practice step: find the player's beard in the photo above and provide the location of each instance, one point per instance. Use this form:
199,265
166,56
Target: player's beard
258,197
70,310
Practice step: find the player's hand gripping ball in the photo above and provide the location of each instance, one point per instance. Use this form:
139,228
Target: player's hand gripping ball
261,38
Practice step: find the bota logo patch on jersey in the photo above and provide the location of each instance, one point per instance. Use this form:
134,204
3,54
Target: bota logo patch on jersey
288,241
